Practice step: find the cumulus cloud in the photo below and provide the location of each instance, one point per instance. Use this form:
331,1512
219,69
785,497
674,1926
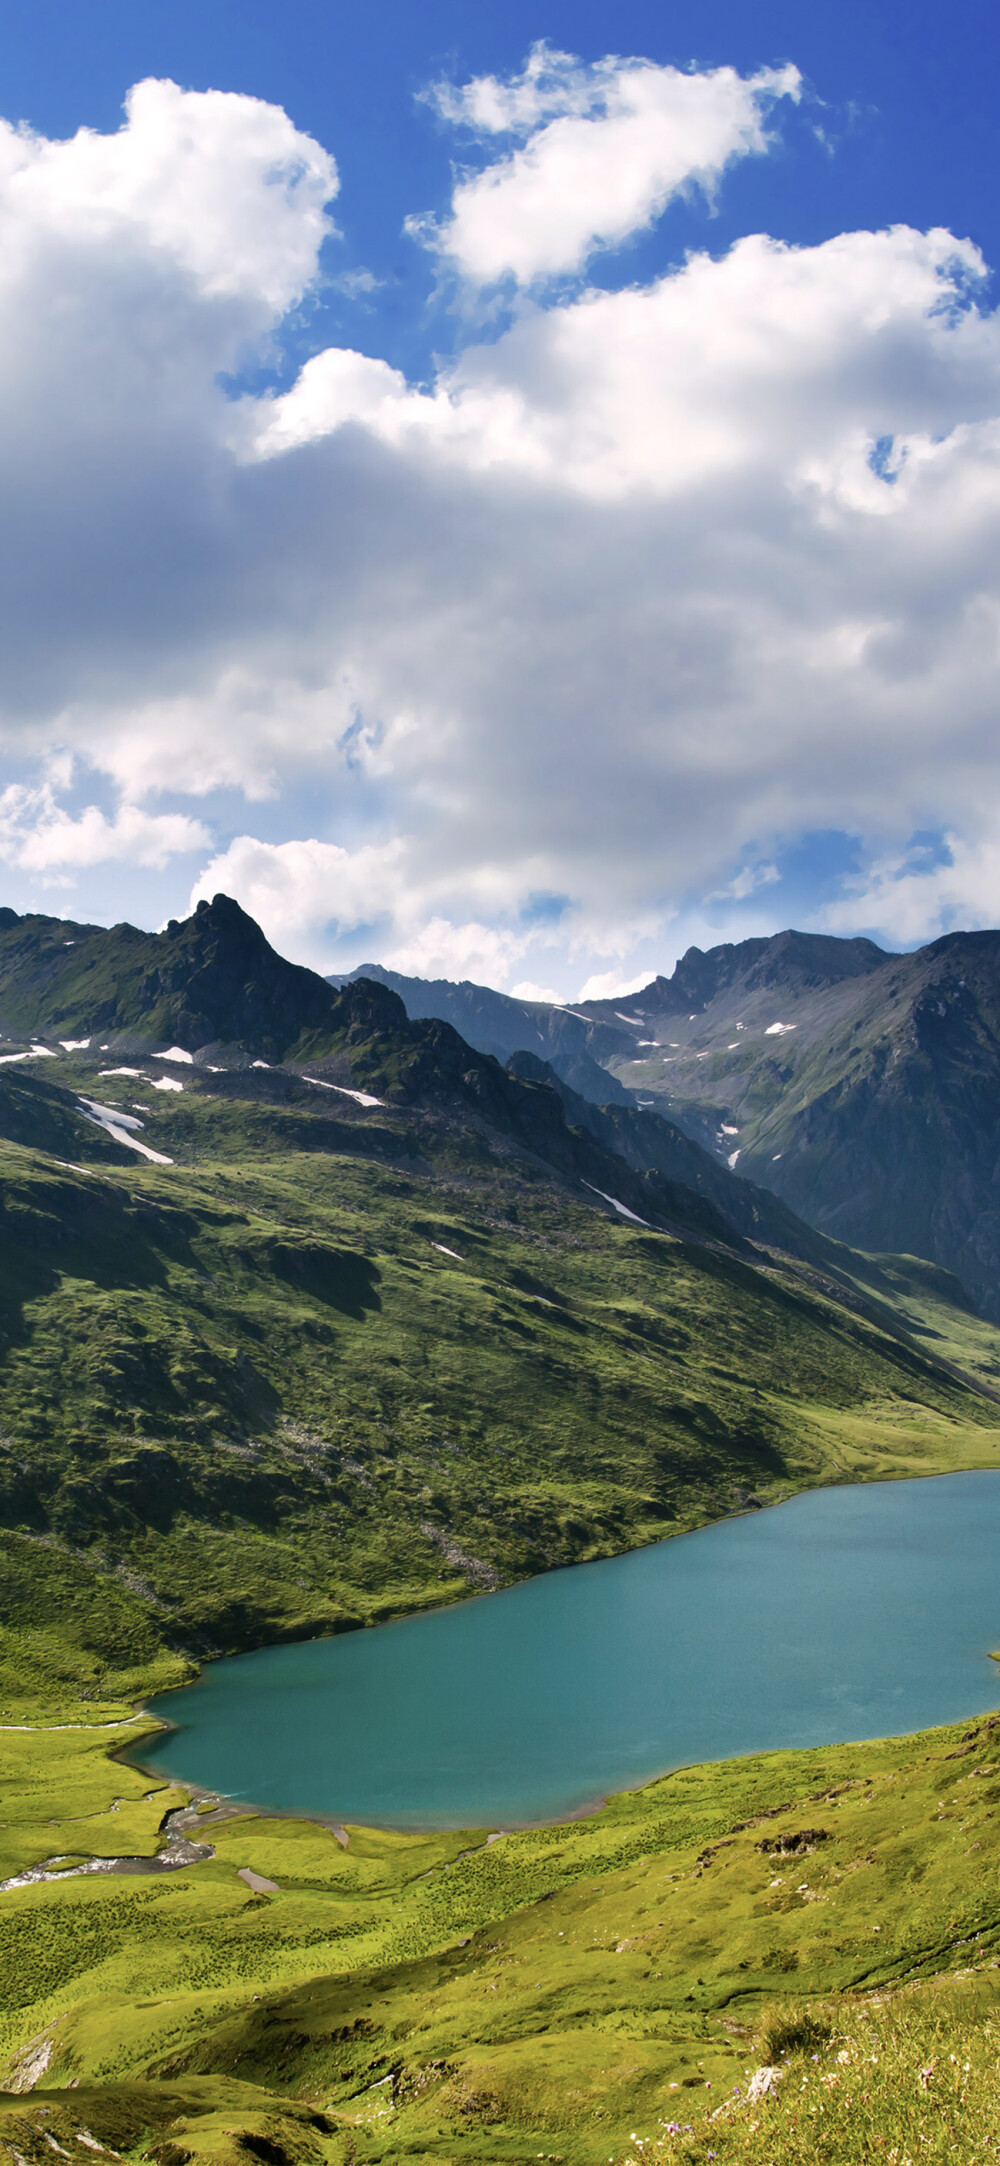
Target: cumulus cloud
916,894
308,894
304,892
220,186
38,835
606,148
621,603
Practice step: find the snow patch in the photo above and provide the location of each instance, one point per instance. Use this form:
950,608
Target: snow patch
43,1052
176,1052
74,1045
621,1208
731,1160
116,1124
5,1057
167,1083
638,1020
364,1098
137,1072
777,1155
732,1048
448,1251
729,1131
109,1113
777,1030
260,1064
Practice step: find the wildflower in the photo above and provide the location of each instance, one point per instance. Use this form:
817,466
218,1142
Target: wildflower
924,2078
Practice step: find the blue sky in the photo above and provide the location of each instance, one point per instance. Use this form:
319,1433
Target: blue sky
642,590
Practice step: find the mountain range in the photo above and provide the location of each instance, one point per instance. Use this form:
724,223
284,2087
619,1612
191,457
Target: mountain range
862,1088
311,1311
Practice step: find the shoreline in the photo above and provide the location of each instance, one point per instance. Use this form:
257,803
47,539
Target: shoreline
130,1752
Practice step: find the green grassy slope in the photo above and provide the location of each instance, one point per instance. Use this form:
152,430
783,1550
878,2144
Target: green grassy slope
441,1998
329,1366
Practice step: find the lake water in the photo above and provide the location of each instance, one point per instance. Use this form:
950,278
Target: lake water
842,1614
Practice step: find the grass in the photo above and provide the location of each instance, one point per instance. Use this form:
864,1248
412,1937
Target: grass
903,2077
237,1392
441,1998
235,1395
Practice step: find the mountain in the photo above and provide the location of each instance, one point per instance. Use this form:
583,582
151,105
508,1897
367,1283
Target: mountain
495,1023
212,981
312,1314
289,1343
862,1087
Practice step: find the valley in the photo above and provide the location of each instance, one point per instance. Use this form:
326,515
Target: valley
860,1087
314,1316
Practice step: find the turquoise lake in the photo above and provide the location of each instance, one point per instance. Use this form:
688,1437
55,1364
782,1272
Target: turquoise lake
841,1614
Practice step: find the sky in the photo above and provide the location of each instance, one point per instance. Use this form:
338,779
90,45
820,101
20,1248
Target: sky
506,492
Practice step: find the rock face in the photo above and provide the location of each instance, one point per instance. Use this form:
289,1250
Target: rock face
213,985
860,1088
495,1023
212,979
863,1087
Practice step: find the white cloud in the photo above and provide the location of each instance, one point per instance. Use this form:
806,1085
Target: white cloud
309,893
608,146
443,949
223,187
746,883
38,835
624,602
784,365
908,898
302,893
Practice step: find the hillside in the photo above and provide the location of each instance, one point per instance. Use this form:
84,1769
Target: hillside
874,1111
603,1989
863,1088
495,1023
326,1361
289,1347
311,1314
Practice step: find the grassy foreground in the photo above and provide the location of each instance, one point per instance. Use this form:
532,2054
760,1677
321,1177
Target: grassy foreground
600,1990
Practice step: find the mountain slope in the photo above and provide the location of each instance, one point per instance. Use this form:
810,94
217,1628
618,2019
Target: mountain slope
873,1110
495,1023
862,1087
